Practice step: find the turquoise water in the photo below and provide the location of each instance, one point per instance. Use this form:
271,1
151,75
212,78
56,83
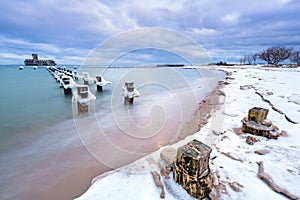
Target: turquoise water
30,99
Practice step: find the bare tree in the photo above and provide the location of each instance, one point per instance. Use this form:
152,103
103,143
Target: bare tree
295,57
254,57
249,59
274,55
242,59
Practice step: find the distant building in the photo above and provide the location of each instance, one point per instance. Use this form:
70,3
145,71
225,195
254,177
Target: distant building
36,62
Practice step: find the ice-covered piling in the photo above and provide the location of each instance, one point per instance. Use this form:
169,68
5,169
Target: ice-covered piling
83,98
68,84
100,82
129,92
86,78
83,94
60,76
99,86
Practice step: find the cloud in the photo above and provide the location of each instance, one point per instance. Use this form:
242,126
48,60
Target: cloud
59,27
285,1
231,18
148,57
62,21
147,38
203,31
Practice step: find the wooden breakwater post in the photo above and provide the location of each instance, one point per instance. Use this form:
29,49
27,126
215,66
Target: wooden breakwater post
75,75
99,85
83,98
67,85
129,92
100,82
257,124
86,78
257,114
191,169
83,94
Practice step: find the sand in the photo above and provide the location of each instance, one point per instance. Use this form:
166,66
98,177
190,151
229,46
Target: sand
201,116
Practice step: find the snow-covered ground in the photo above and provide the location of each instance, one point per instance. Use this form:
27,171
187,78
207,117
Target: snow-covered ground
232,159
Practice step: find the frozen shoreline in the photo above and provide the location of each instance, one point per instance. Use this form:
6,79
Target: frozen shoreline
237,173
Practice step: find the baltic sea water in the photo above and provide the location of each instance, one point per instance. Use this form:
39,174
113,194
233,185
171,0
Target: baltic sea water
38,131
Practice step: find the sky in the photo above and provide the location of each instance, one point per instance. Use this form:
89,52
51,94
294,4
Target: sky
68,30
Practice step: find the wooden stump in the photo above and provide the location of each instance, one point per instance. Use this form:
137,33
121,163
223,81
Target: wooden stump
256,122
99,88
257,114
68,91
191,169
82,108
128,101
256,129
83,91
85,82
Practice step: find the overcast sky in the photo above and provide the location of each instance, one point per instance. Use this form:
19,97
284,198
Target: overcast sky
68,30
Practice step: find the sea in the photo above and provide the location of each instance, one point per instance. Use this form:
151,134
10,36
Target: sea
50,151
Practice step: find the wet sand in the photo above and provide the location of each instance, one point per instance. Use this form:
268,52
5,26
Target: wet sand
203,113
41,171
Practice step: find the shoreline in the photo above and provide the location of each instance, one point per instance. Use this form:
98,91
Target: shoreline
233,162
200,118
203,113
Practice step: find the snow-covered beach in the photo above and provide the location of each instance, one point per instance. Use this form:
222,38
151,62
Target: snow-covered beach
234,163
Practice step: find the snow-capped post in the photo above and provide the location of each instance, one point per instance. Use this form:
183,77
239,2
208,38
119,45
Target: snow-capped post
99,86
100,82
67,85
257,124
75,75
86,78
129,92
82,93
191,169
83,97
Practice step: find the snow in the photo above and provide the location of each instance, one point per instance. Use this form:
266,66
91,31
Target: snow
78,98
126,184
282,163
